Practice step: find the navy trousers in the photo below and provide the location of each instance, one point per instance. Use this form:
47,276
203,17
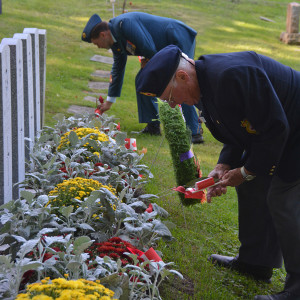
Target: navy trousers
269,226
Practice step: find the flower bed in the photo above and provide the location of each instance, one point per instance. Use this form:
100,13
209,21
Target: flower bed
82,217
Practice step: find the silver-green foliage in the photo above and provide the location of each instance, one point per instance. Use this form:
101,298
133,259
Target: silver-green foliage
119,164
32,225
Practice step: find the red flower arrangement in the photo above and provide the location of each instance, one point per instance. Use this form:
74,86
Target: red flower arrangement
114,248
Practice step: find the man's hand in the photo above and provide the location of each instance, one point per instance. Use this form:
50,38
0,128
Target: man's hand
228,177
144,62
218,172
105,106
234,177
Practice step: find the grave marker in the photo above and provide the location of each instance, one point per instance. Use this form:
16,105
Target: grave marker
5,132
101,73
42,51
292,35
102,59
93,98
36,76
28,91
98,85
17,111
79,110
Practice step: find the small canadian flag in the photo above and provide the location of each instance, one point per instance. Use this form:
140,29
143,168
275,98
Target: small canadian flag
130,144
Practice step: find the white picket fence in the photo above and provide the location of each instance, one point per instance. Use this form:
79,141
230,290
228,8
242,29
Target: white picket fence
22,99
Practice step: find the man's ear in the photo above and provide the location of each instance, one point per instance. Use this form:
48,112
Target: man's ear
181,75
102,34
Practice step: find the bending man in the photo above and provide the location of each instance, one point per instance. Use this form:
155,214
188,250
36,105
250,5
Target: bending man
143,35
251,103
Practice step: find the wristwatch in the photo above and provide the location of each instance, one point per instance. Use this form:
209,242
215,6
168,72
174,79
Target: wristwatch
246,176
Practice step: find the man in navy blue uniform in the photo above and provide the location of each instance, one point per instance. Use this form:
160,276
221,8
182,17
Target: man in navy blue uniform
143,35
251,103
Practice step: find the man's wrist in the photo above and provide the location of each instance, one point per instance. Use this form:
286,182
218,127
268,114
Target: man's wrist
222,167
246,175
111,99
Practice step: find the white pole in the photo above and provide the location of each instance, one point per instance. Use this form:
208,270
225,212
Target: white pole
113,6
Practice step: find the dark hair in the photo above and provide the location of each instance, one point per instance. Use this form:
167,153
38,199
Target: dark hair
100,27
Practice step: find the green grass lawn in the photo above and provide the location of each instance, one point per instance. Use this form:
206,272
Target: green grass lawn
222,26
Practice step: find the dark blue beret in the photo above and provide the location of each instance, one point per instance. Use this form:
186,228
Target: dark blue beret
155,76
93,21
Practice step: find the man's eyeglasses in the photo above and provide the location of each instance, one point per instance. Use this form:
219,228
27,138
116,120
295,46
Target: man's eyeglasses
169,101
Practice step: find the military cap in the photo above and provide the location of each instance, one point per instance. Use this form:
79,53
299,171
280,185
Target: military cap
157,73
93,21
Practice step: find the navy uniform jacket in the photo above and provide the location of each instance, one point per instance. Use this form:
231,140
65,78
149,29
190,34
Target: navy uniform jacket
251,103
142,34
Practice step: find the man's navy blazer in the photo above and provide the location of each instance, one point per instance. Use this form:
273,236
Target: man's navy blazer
251,103
142,34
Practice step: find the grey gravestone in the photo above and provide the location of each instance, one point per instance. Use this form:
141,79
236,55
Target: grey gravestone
292,22
42,51
17,112
102,59
76,109
98,85
94,98
28,91
91,99
36,77
95,94
292,35
100,73
5,132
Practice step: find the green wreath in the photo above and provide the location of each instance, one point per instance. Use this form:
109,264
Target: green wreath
179,139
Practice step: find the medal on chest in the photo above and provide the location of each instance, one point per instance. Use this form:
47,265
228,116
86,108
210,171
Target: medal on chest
130,47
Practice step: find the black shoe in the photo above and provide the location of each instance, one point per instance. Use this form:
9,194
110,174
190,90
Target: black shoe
284,295
256,272
152,128
197,138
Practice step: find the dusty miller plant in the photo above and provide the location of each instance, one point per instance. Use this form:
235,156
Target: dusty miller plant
119,165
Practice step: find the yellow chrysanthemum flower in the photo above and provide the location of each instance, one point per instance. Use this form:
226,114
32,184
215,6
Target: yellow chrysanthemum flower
78,188
95,134
62,289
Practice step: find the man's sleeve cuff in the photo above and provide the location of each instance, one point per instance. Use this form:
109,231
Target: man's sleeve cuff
111,99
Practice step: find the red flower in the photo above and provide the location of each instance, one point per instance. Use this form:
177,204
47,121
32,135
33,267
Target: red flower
26,276
99,164
63,169
47,256
115,240
149,209
114,255
56,249
114,248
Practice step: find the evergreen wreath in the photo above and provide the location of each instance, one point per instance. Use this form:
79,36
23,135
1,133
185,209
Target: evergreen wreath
179,139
